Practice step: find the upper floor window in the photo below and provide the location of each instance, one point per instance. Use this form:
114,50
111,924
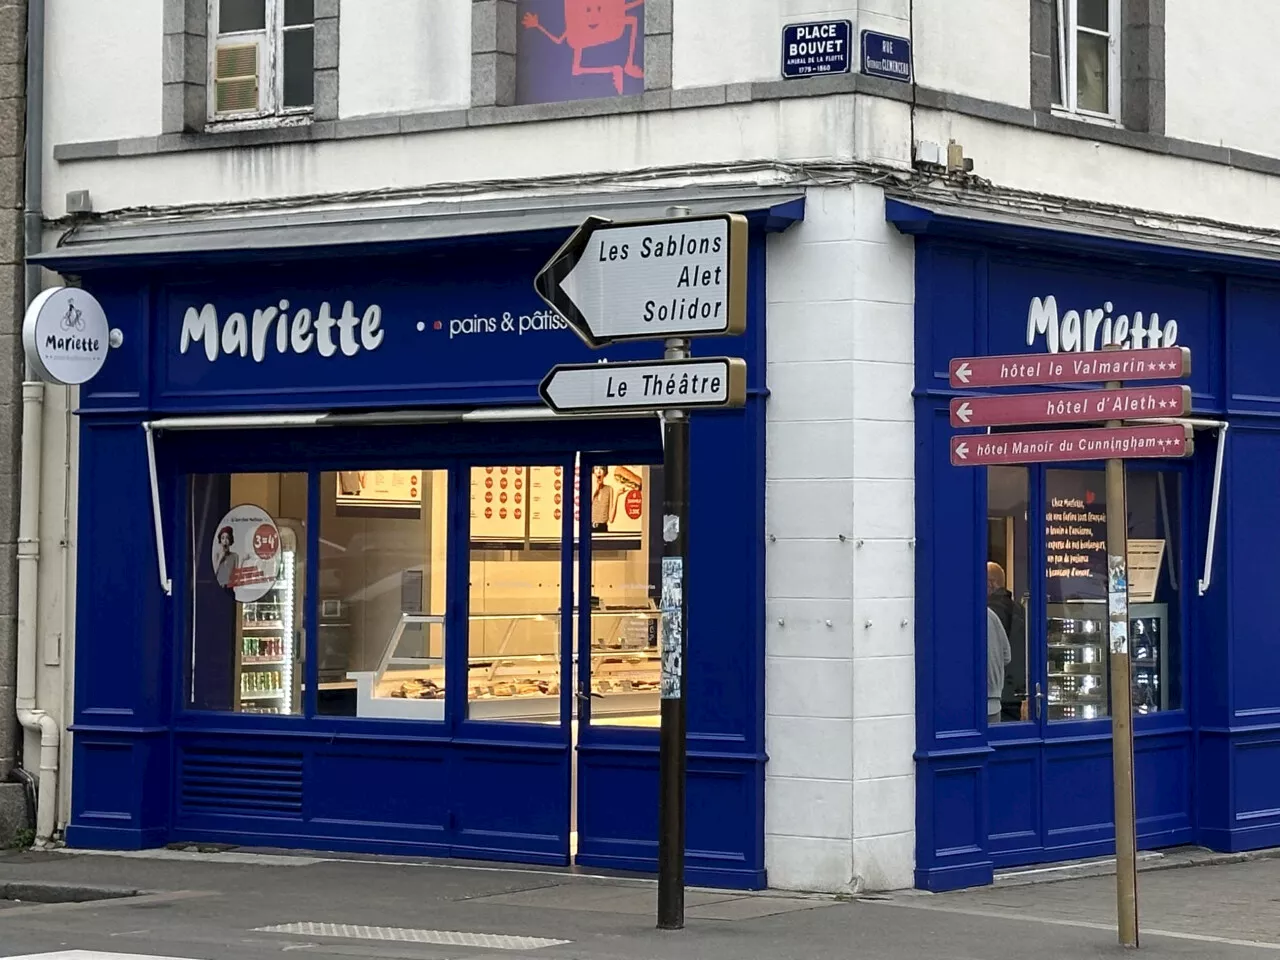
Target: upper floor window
1086,54
261,63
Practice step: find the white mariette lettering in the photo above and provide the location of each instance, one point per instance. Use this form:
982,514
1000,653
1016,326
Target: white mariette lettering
1073,332
299,333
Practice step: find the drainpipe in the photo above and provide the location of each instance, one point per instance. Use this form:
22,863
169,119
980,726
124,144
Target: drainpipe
30,716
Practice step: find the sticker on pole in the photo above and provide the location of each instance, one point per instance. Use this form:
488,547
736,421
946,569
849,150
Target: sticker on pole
246,552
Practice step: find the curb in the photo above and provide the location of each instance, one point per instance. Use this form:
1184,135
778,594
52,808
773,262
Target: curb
1148,862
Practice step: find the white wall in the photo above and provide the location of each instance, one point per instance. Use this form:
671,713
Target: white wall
103,71
840,715
1086,169
980,48
397,56
1222,74
738,41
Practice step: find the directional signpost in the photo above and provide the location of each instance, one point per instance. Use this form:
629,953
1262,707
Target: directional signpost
666,280
1113,441
660,385
1023,370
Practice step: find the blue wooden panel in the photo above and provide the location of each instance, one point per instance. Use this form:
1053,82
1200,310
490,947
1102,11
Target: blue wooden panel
1078,806
123,382
1013,785
121,659
341,796
1256,779
1162,780
511,803
1253,342
120,787
1253,531
951,611
951,823
618,815
947,283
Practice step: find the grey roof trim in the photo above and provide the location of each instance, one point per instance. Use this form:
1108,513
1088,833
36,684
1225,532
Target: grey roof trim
1171,233
158,239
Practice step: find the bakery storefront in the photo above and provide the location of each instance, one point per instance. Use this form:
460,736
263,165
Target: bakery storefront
343,582
1032,784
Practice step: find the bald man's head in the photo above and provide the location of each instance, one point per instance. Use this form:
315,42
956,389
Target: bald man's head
995,577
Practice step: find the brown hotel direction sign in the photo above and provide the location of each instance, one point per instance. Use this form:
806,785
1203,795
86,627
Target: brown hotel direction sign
1158,441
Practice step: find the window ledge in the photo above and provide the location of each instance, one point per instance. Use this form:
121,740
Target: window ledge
659,100
269,122
1097,119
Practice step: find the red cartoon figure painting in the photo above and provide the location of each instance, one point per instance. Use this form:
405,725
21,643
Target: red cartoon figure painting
596,23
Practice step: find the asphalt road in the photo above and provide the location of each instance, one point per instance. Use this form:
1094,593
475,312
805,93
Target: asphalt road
242,906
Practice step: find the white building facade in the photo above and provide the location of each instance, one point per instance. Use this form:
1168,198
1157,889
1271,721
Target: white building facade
1061,148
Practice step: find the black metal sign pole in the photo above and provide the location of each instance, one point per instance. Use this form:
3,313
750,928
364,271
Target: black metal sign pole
671,745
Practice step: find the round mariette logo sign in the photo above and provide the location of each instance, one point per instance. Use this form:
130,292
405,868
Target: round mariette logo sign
66,336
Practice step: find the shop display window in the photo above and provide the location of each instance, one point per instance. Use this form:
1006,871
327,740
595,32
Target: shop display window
513,653
380,607
1008,581
383,547
247,561
626,553
1070,678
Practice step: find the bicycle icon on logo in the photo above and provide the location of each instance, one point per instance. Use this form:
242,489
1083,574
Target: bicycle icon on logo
73,319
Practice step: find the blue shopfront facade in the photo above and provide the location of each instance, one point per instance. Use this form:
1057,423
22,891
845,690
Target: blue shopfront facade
407,356
1036,786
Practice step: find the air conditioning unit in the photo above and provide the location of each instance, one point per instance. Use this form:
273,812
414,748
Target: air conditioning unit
236,78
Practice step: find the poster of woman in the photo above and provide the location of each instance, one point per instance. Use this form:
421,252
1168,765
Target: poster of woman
246,552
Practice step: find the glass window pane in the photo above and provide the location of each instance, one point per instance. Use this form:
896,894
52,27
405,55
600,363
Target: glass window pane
1093,14
383,549
515,581
1076,594
1091,73
626,557
247,555
299,68
235,16
299,11
1155,589
1008,585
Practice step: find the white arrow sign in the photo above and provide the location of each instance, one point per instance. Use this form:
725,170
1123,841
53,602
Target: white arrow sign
963,372
964,412
650,280
657,385
962,451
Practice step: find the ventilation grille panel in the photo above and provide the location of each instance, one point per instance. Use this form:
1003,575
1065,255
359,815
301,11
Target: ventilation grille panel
234,783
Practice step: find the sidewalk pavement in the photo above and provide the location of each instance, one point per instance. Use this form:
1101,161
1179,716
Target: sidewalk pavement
246,905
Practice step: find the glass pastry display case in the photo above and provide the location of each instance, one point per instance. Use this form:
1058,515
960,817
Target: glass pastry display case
1148,639
1078,659
409,682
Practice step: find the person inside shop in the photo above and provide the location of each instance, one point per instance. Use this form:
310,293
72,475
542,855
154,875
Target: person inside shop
1013,699
998,657
225,560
